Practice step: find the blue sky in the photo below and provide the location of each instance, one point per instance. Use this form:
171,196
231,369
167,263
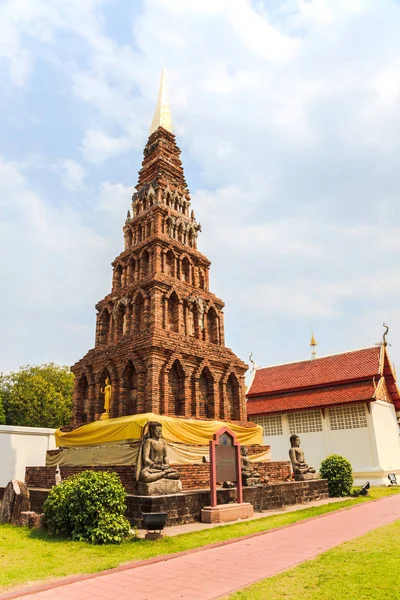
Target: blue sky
288,117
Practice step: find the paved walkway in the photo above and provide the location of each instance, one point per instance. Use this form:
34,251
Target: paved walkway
217,571
197,526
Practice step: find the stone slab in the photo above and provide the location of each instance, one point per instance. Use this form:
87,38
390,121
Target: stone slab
162,487
31,519
223,513
306,477
154,535
251,481
15,500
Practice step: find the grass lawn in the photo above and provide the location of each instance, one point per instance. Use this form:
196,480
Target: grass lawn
30,555
366,568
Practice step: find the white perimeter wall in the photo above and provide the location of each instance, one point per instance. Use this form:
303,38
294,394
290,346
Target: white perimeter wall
373,451
21,447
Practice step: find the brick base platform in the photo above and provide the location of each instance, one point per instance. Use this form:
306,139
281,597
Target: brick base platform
194,476
186,507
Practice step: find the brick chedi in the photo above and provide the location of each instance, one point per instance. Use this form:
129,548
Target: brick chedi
160,332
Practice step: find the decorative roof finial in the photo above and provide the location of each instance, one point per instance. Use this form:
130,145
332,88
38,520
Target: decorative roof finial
162,114
385,343
313,345
254,366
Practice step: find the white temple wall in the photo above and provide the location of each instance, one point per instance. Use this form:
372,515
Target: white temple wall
369,440
356,445
21,447
387,436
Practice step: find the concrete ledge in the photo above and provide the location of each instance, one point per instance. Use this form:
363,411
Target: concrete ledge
223,513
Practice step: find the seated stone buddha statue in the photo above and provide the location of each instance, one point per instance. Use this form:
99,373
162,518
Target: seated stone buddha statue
301,470
249,475
152,462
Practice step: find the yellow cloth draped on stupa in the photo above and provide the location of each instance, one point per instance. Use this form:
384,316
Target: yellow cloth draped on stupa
129,428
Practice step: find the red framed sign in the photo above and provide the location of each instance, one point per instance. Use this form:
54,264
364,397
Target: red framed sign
225,462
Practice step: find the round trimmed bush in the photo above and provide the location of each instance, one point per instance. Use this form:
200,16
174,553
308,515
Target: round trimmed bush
339,473
90,507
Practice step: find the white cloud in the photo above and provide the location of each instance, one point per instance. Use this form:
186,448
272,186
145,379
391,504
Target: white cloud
98,146
72,174
48,261
115,199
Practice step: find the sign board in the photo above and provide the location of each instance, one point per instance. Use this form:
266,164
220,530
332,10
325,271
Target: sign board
225,462
225,459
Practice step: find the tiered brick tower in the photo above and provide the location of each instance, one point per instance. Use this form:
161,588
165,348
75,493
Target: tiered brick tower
160,332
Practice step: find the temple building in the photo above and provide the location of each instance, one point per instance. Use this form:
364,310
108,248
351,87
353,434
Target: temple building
160,331
342,404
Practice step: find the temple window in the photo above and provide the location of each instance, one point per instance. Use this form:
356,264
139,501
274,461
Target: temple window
145,262
212,326
306,421
120,321
180,233
128,239
170,263
176,381
232,396
129,390
347,417
206,394
131,270
271,424
139,235
173,312
168,198
185,270
104,327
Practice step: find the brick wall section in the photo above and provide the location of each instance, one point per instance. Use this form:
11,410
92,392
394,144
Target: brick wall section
193,476
43,477
186,507
160,332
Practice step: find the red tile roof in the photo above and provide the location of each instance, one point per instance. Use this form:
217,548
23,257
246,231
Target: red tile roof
312,398
327,370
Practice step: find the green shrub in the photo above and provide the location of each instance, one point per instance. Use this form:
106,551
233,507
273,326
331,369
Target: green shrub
88,507
109,529
339,473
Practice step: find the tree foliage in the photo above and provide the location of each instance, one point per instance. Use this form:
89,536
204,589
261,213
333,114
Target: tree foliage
37,396
339,473
2,413
88,507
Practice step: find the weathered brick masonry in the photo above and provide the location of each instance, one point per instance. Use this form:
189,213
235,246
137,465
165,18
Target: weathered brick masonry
186,507
193,476
160,332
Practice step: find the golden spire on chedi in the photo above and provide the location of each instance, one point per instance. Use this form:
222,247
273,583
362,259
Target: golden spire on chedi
162,114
